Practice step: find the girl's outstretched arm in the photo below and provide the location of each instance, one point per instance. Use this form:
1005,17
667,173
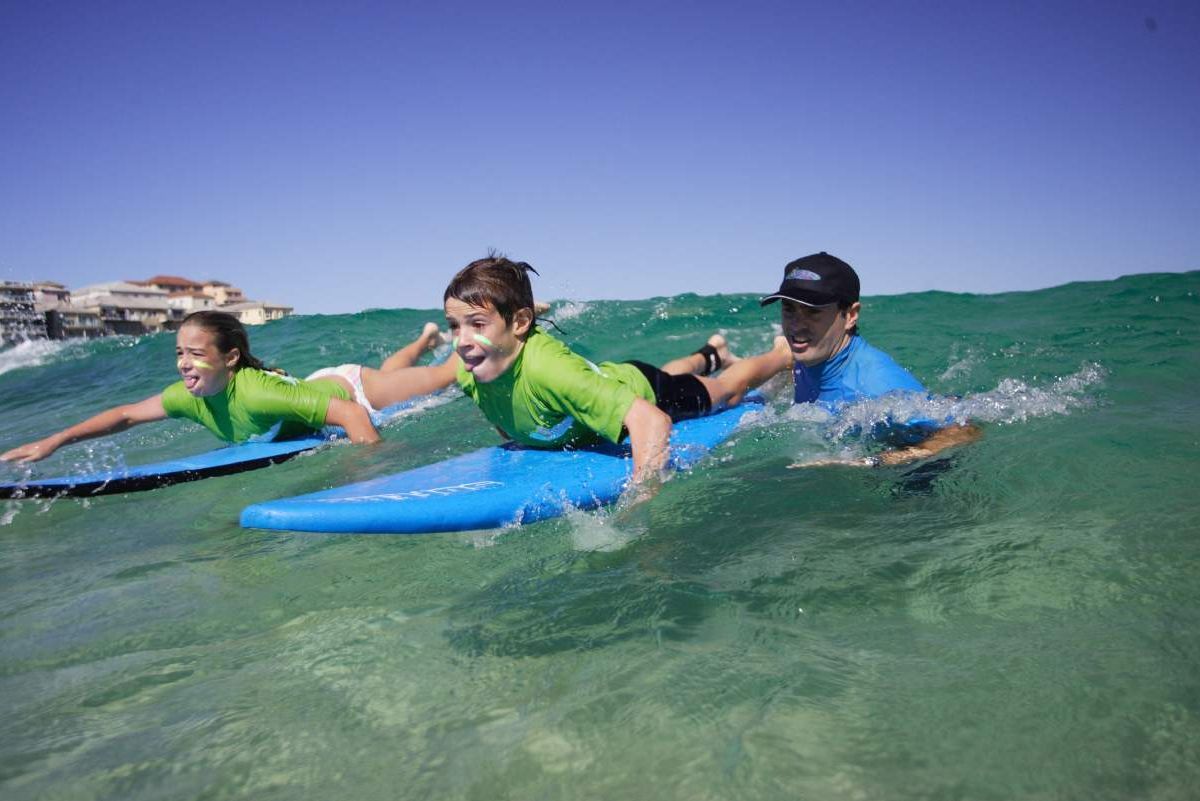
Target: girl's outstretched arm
352,417
111,421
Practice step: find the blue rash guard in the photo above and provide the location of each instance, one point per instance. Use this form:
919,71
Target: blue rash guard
857,372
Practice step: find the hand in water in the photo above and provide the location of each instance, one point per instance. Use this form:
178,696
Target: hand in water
30,452
842,461
631,506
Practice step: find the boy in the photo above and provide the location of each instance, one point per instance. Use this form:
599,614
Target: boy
538,392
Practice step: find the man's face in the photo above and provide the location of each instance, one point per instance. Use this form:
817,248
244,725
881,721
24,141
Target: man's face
486,344
815,333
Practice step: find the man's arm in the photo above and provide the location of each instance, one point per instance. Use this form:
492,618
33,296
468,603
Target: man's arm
935,443
941,439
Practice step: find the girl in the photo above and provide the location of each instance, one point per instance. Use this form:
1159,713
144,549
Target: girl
225,389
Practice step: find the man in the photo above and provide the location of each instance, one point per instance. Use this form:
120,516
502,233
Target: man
832,364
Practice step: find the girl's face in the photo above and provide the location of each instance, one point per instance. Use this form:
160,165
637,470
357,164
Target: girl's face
204,369
486,344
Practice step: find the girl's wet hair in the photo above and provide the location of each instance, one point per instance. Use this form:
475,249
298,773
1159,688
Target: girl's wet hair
228,333
494,281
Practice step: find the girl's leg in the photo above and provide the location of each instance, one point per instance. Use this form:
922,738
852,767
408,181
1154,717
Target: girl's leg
385,387
407,356
696,363
730,386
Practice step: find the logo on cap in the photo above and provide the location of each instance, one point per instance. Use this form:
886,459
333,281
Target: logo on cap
802,275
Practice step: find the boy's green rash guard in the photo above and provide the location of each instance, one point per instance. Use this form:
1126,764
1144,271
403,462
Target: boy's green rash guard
253,402
552,398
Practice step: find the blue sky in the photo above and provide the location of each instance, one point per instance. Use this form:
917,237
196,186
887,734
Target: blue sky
338,156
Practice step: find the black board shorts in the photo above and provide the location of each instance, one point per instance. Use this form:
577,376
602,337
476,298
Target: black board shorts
680,396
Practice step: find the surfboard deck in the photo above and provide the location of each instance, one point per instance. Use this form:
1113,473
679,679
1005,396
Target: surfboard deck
218,462
488,488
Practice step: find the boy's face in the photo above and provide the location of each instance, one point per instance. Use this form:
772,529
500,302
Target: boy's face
486,344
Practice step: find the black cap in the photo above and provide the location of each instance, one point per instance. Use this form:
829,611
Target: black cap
817,280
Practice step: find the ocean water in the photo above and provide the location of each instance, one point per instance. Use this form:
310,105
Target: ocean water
1017,620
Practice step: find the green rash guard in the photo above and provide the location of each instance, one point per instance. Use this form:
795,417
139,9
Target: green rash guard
553,398
254,402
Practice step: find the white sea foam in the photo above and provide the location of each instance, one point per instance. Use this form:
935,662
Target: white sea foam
834,437
602,530
31,353
960,365
37,352
1012,401
569,310
422,404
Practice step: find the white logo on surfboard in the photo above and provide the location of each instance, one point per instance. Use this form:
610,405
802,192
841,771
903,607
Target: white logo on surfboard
416,495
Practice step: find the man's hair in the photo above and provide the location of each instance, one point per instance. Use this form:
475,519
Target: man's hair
494,281
842,306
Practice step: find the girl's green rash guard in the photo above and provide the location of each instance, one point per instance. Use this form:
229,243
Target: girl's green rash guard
254,402
552,397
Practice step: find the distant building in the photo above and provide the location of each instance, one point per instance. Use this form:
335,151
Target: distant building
127,308
35,310
188,302
171,283
70,322
255,312
224,293
118,290
221,292
19,320
48,294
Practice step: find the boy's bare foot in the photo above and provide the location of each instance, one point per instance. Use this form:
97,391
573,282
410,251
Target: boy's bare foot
430,337
726,356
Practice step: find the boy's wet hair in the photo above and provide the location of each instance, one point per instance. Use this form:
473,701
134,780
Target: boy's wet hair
494,281
228,333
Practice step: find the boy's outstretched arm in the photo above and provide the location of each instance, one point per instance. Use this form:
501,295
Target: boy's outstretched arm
650,436
109,421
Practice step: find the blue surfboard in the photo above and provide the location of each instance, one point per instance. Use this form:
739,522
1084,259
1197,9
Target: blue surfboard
487,488
218,462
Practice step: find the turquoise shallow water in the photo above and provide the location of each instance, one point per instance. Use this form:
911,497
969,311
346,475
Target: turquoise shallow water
1020,620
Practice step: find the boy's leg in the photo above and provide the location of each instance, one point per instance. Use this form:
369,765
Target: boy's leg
407,356
730,387
699,363
385,387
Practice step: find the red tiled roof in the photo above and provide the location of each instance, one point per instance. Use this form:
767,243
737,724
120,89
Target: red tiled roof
169,280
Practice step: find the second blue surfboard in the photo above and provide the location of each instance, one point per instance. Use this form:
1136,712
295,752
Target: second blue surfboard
488,488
